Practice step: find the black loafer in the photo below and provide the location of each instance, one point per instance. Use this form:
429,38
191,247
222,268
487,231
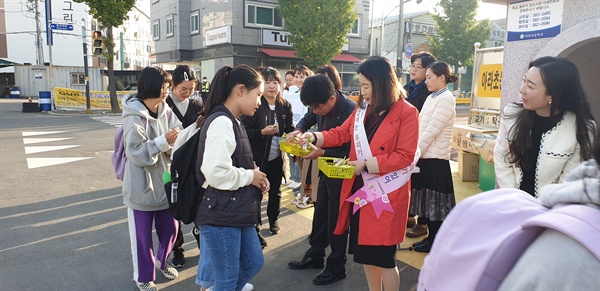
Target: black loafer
327,278
420,242
307,263
274,227
423,248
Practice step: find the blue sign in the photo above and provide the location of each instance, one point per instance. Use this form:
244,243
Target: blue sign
57,26
408,50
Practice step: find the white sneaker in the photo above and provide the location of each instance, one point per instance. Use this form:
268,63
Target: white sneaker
146,286
296,200
248,287
170,273
294,185
305,203
286,182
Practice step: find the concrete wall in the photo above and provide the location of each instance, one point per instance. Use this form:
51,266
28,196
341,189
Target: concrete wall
578,42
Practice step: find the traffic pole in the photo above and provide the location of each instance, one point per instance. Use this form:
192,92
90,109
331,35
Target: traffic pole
88,109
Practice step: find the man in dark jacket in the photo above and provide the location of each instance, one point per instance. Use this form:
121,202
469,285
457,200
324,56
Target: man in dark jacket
328,108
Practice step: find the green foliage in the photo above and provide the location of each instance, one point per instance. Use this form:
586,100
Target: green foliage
458,31
319,28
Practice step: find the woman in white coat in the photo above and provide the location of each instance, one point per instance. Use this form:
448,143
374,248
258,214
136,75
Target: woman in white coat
542,139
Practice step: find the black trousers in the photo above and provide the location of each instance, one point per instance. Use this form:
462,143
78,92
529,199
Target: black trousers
179,240
324,220
274,171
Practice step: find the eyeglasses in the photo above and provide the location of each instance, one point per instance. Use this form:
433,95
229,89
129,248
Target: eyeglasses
185,90
316,107
166,87
418,67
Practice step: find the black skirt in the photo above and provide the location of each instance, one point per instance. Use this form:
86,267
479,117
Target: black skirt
432,190
380,256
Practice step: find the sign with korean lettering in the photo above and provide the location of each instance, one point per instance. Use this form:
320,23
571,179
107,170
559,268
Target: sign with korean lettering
533,19
490,81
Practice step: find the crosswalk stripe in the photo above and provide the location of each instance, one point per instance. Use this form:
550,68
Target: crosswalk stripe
33,163
32,133
40,139
41,149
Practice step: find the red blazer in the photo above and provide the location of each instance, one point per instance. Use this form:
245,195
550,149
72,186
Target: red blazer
393,147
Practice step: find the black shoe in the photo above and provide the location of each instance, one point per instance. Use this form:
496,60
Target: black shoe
307,263
327,278
263,241
423,248
420,242
274,227
178,258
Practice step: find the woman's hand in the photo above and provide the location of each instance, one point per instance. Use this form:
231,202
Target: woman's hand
290,136
269,130
171,135
359,166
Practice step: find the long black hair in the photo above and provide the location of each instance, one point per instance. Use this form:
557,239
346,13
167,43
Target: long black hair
223,83
385,86
561,79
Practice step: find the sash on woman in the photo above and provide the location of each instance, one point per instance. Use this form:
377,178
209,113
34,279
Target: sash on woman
376,187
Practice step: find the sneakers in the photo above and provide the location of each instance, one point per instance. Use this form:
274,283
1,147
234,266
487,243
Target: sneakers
286,182
294,185
146,286
178,258
305,203
247,287
296,200
170,273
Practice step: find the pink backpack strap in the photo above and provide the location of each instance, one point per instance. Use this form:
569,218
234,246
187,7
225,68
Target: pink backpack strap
580,222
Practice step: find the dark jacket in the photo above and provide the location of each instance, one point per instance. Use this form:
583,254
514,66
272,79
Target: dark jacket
419,100
261,144
237,208
191,114
344,107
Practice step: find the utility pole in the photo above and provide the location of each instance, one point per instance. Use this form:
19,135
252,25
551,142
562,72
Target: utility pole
400,40
38,35
88,109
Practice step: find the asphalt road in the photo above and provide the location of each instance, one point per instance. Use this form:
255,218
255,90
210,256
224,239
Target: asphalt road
63,224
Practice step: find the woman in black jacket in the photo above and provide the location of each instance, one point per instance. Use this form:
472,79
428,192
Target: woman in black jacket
272,119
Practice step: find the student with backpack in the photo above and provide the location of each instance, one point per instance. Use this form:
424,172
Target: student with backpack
148,133
230,252
187,111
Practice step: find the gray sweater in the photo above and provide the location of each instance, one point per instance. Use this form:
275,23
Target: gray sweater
147,152
554,261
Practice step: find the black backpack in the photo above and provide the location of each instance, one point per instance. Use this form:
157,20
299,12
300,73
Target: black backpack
184,191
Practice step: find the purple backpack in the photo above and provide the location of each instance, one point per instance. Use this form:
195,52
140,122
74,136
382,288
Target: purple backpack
118,157
506,222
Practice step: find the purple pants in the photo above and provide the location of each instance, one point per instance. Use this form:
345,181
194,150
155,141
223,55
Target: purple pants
142,250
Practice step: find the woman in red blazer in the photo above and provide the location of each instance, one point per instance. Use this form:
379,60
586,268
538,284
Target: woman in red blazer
385,150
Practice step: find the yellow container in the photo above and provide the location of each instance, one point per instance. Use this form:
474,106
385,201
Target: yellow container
293,149
326,165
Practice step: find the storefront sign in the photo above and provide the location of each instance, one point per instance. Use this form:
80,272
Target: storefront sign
533,19
281,38
218,36
490,80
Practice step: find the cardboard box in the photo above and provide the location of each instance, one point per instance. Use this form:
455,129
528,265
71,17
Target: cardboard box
461,136
468,166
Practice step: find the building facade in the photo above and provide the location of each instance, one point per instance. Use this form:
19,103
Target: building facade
209,34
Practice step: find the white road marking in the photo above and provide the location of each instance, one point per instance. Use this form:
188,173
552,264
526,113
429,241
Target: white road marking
40,139
114,120
41,149
33,163
32,133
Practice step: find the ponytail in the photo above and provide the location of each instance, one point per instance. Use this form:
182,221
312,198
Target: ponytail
223,83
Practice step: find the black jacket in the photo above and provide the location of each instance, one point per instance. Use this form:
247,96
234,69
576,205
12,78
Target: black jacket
192,113
261,144
237,208
419,100
344,108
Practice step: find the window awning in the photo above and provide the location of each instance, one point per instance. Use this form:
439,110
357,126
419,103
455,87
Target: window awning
6,63
292,54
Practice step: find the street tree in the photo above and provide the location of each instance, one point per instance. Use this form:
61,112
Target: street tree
110,13
457,32
319,28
